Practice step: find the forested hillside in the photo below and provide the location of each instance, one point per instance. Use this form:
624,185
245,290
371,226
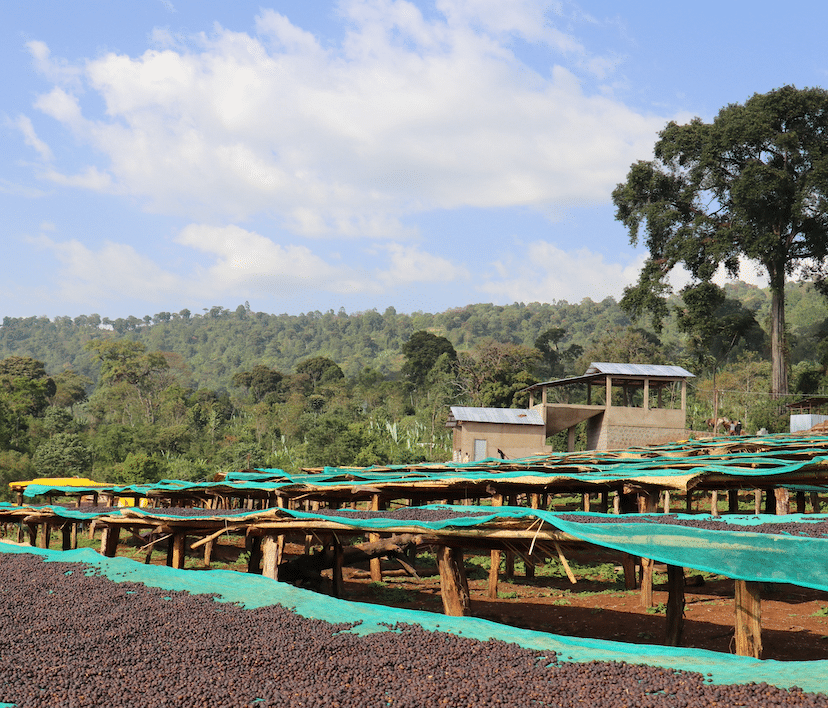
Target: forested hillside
185,395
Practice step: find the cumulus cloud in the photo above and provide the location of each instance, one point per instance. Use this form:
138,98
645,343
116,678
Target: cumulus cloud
407,114
541,272
24,125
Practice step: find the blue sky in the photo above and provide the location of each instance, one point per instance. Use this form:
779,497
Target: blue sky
304,155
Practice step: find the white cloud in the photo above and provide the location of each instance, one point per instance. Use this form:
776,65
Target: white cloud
541,272
89,276
409,264
408,114
24,125
242,264
90,178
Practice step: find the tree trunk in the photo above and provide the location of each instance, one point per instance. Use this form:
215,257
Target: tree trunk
779,368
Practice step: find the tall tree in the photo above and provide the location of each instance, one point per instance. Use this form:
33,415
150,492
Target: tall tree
753,183
421,352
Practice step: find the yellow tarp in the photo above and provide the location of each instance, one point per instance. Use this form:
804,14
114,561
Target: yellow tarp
60,482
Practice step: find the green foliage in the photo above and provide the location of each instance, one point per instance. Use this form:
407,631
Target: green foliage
754,183
137,468
63,455
421,352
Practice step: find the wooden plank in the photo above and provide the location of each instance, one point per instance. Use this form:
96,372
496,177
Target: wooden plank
675,606
565,564
647,582
748,619
453,583
272,549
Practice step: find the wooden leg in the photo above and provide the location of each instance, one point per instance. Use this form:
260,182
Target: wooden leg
338,580
109,540
494,570
628,563
733,501
66,536
675,606
510,565
32,534
254,562
272,549
748,619
179,543
783,500
45,536
453,584
757,501
208,553
647,582
714,503
375,564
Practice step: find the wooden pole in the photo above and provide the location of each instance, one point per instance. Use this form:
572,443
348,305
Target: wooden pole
757,501
272,549
675,606
109,540
647,582
628,564
603,505
254,561
494,569
616,503
454,587
783,500
714,503
800,502
748,619
338,580
375,564
666,502
178,541
733,501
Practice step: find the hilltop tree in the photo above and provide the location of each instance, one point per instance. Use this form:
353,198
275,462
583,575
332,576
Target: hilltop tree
751,184
421,352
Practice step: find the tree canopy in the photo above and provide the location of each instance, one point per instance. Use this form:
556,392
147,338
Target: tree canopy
751,184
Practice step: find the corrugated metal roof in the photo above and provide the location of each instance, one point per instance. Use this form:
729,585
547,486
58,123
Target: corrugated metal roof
603,367
508,416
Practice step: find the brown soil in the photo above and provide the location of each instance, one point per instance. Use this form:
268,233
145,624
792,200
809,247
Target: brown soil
791,629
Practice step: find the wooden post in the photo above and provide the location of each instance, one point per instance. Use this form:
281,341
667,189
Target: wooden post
454,587
770,501
109,540
616,503
586,501
733,501
254,561
208,552
272,550
628,564
800,502
814,502
748,619
647,582
32,534
783,500
757,501
714,503
66,536
666,501
494,569
179,541
338,580
675,606
603,505
45,537
688,502
375,564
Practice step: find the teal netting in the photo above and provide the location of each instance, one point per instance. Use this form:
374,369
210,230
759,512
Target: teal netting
744,457
256,591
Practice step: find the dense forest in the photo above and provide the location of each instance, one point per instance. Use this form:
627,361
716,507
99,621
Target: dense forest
185,395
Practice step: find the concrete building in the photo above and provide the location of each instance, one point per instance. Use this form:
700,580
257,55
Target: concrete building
627,405
495,432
